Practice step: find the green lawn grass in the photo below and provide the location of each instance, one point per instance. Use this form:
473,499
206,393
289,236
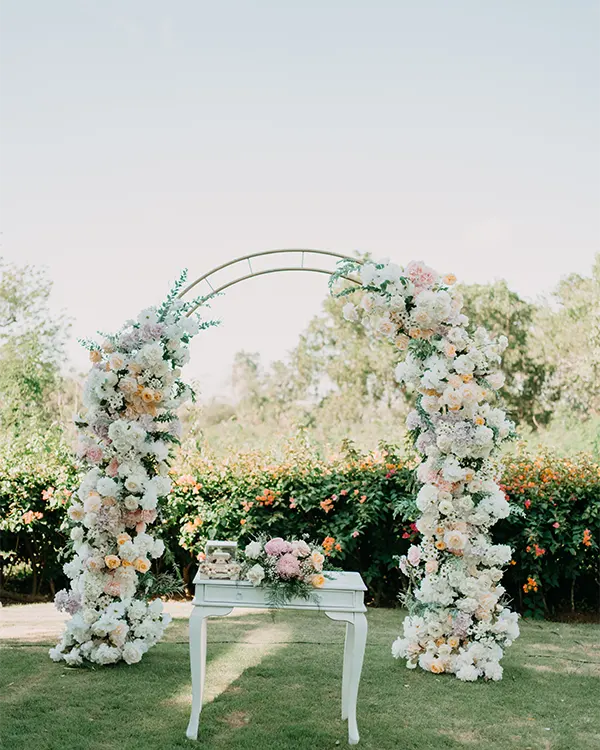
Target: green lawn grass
274,684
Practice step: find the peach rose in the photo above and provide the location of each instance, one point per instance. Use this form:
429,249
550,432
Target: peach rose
318,580
147,395
112,562
317,560
142,565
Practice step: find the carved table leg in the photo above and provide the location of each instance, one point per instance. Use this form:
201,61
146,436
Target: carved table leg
354,652
198,660
358,655
348,651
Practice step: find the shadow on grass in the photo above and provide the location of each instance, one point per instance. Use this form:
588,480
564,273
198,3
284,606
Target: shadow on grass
289,698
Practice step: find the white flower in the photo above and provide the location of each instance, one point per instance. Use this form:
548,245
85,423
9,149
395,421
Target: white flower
77,534
131,653
368,272
253,550
350,312
256,574
92,503
107,487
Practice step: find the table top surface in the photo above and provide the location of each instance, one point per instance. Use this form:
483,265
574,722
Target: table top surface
334,581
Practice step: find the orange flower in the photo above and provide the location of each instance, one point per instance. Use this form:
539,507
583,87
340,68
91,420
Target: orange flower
327,545
587,538
31,516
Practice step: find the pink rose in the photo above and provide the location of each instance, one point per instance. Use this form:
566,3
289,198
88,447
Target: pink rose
421,275
276,547
414,555
113,588
94,454
288,566
300,548
112,468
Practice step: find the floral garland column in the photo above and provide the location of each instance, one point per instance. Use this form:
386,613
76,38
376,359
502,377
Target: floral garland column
127,427
457,620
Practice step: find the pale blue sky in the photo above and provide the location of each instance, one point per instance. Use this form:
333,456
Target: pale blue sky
142,136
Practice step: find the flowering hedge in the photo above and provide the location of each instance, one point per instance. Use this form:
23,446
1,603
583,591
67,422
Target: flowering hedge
360,506
556,537
37,478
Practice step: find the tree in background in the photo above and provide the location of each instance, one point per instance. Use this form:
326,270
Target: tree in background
569,340
501,311
31,348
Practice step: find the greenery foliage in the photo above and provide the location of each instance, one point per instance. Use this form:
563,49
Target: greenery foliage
360,507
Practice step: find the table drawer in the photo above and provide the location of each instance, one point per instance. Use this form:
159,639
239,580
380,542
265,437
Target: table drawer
243,596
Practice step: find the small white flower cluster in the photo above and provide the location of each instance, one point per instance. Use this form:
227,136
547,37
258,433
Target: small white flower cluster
457,621
127,426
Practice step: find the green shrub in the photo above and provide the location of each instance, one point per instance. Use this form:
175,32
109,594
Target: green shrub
555,537
360,506
37,477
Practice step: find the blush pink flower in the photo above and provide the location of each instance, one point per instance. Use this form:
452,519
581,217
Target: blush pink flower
113,588
421,275
94,454
414,555
276,547
112,468
288,566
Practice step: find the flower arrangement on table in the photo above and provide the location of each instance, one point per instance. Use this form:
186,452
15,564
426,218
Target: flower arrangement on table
286,569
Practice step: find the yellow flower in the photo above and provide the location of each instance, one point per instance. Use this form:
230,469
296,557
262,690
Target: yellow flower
453,641
479,420
112,561
142,565
318,580
317,560
449,279
122,538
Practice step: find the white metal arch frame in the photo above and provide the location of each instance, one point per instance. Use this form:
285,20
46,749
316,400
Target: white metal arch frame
252,273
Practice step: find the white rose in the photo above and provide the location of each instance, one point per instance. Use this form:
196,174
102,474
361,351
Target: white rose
253,550
349,312
256,574
131,654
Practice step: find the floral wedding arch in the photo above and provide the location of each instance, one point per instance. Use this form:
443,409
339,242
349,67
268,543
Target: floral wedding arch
457,620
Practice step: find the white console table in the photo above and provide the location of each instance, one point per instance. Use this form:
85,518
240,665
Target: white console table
341,598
